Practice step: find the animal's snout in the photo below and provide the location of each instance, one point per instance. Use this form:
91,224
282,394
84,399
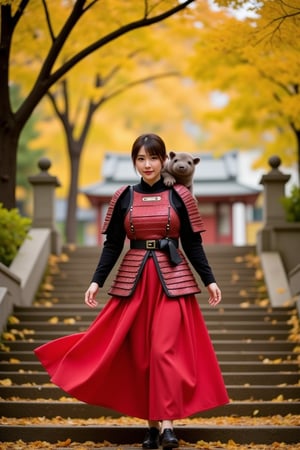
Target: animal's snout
182,167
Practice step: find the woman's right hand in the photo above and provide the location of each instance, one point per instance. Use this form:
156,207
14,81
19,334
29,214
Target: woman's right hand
90,295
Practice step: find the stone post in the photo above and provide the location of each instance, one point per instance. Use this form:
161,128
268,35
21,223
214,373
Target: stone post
278,242
274,183
44,186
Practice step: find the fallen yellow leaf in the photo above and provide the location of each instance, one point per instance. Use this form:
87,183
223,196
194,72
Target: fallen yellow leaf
53,320
6,382
13,320
6,336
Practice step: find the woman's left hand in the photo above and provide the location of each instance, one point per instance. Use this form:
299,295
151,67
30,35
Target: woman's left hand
215,295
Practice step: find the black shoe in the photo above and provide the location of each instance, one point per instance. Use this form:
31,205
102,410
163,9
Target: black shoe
151,438
168,439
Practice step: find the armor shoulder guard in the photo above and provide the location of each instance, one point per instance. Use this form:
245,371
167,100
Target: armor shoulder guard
191,207
111,207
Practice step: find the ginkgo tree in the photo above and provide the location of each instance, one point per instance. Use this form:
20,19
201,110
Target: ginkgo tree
255,63
78,97
59,24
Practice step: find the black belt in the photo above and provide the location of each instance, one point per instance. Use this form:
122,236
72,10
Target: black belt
166,244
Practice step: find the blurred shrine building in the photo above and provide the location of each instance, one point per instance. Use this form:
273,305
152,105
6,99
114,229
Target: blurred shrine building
228,203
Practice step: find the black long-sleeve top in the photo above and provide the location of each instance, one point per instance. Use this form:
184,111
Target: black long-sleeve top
191,242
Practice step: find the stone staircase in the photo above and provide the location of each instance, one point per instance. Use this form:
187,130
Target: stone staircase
256,347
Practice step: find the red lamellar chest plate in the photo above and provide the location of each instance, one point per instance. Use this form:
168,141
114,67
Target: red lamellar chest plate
151,217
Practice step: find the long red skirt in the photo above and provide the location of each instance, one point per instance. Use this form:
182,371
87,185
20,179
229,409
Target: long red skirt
148,356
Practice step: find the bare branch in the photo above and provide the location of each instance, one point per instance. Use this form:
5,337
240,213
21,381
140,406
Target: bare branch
132,84
291,89
45,79
101,42
66,96
19,12
48,21
63,114
51,96
90,5
282,17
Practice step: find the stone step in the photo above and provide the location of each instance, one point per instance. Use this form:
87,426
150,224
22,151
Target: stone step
236,378
237,335
241,356
75,276
63,307
219,345
232,366
77,296
51,408
242,307
221,325
249,328
267,434
245,289
209,314
251,343
235,392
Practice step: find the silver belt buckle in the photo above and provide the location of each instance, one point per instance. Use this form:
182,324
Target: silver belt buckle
150,244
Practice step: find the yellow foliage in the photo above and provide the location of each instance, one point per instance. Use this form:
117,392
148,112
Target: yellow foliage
165,104
256,63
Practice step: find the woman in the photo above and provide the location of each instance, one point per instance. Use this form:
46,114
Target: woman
148,353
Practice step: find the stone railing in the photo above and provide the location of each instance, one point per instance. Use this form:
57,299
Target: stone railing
19,282
278,242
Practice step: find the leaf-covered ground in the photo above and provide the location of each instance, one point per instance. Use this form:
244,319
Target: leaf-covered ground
254,421
68,444
277,420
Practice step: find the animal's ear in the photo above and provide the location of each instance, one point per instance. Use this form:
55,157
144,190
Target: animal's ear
196,161
172,155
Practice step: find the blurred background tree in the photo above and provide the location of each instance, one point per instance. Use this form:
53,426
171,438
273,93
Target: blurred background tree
139,59
253,67
27,158
54,23
213,76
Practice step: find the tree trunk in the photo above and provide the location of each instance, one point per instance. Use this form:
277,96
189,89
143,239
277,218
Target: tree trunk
71,222
298,153
8,166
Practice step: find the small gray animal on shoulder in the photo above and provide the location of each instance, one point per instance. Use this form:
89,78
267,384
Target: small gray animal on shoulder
180,168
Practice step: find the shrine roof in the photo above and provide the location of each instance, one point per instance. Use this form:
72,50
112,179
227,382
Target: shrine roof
214,177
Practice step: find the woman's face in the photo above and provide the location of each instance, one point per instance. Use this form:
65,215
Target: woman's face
148,166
